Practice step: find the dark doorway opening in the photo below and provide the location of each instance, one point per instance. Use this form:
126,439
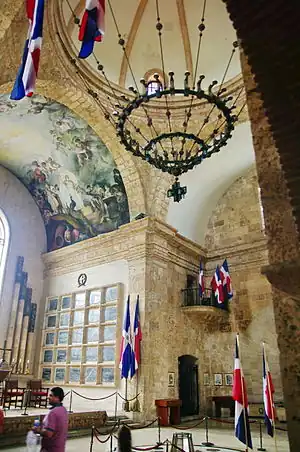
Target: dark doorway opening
188,385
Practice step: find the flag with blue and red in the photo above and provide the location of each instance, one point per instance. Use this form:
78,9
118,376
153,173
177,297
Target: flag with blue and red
239,394
137,338
226,280
126,347
27,74
268,391
201,280
217,286
92,26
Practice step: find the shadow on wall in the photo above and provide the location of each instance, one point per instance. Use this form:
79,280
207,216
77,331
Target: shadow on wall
66,167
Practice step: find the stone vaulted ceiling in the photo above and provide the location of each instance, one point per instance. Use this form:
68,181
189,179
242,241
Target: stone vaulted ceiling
136,20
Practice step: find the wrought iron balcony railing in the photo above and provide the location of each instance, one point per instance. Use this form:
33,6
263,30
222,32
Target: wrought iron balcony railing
191,297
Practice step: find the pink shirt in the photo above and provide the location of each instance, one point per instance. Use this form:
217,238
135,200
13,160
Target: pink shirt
56,421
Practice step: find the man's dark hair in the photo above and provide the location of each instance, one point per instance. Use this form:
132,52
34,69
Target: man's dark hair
124,439
58,392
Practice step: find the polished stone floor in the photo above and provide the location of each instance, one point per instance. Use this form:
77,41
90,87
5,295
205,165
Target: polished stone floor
146,437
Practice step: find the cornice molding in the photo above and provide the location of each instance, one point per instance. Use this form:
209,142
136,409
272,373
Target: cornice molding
139,240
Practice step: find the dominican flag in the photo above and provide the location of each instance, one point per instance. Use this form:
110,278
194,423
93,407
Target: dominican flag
126,348
137,338
27,74
92,26
268,391
239,394
226,279
217,286
201,280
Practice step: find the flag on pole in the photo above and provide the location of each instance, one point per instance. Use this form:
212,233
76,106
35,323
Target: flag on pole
27,74
268,391
201,280
92,26
239,394
126,348
226,280
137,338
217,286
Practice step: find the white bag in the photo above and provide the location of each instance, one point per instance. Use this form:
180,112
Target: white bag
33,442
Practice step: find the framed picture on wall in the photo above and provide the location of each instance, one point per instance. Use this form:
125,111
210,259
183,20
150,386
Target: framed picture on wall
228,379
171,379
218,379
206,380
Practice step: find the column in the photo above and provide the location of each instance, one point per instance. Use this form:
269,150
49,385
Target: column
283,247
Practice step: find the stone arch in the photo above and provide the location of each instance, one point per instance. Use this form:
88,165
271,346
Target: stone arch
80,103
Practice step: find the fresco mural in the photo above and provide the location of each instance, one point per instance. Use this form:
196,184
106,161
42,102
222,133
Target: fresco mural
66,167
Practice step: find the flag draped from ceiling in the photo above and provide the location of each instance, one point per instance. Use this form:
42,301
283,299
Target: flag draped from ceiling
27,74
92,26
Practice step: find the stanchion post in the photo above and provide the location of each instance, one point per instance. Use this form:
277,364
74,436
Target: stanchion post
92,438
70,403
159,431
26,404
111,443
159,443
261,448
206,442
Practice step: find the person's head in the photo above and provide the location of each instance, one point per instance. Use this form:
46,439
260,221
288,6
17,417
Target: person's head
56,396
124,439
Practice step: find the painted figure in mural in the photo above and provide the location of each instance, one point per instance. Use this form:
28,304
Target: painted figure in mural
96,202
68,188
53,198
82,151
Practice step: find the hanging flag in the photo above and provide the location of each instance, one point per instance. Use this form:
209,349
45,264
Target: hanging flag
92,26
201,280
217,286
226,280
27,74
137,338
268,391
126,348
239,394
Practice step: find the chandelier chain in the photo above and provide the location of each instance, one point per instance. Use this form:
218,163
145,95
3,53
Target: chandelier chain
188,114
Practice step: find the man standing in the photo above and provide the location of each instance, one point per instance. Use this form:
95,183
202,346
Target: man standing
55,425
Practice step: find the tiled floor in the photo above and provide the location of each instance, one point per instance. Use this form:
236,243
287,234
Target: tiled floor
146,437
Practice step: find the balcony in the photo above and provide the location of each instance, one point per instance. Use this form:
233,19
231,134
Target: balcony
206,307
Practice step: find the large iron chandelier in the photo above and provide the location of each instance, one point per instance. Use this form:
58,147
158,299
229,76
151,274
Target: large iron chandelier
179,142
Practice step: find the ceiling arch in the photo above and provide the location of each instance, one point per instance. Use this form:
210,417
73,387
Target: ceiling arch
56,155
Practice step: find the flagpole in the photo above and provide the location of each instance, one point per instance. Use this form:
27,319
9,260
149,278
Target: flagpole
126,403
243,394
272,404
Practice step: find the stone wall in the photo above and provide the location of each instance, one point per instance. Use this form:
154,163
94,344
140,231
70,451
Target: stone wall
235,232
158,261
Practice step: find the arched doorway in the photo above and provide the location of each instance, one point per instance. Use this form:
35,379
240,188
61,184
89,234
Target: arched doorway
188,385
